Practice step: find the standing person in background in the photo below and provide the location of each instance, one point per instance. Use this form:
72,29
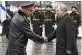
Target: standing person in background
76,18
41,17
6,23
49,17
36,20
10,13
64,33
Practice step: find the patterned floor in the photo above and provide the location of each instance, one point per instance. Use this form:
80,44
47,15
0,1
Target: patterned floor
37,48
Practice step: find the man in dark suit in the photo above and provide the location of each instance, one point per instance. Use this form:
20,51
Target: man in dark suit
64,33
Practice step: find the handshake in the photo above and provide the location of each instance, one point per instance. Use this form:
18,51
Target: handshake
45,40
50,37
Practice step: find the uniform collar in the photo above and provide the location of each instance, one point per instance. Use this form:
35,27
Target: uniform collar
21,13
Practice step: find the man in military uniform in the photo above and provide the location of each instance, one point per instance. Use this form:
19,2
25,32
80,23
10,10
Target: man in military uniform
41,17
20,31
49,20
37,20
76,18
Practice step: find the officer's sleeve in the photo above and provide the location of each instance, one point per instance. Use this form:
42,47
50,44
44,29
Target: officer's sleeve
25,27
69,27
78,20
53,18
52,36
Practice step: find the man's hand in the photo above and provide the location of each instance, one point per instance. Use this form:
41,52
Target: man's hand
68,52
45,40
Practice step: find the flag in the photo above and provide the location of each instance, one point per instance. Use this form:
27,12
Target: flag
0,13
3,11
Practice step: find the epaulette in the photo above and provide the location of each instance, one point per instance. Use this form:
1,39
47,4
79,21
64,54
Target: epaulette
26,19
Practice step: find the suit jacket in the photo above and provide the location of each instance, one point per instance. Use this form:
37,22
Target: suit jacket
65,35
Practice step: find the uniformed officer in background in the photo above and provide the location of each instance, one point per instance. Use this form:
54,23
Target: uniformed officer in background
37,20
49,20
76,18
41,17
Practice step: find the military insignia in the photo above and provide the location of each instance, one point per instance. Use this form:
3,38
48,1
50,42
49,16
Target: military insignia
26,18
36,16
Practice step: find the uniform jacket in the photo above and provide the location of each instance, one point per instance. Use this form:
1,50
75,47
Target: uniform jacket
19,33
49,15
76,18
